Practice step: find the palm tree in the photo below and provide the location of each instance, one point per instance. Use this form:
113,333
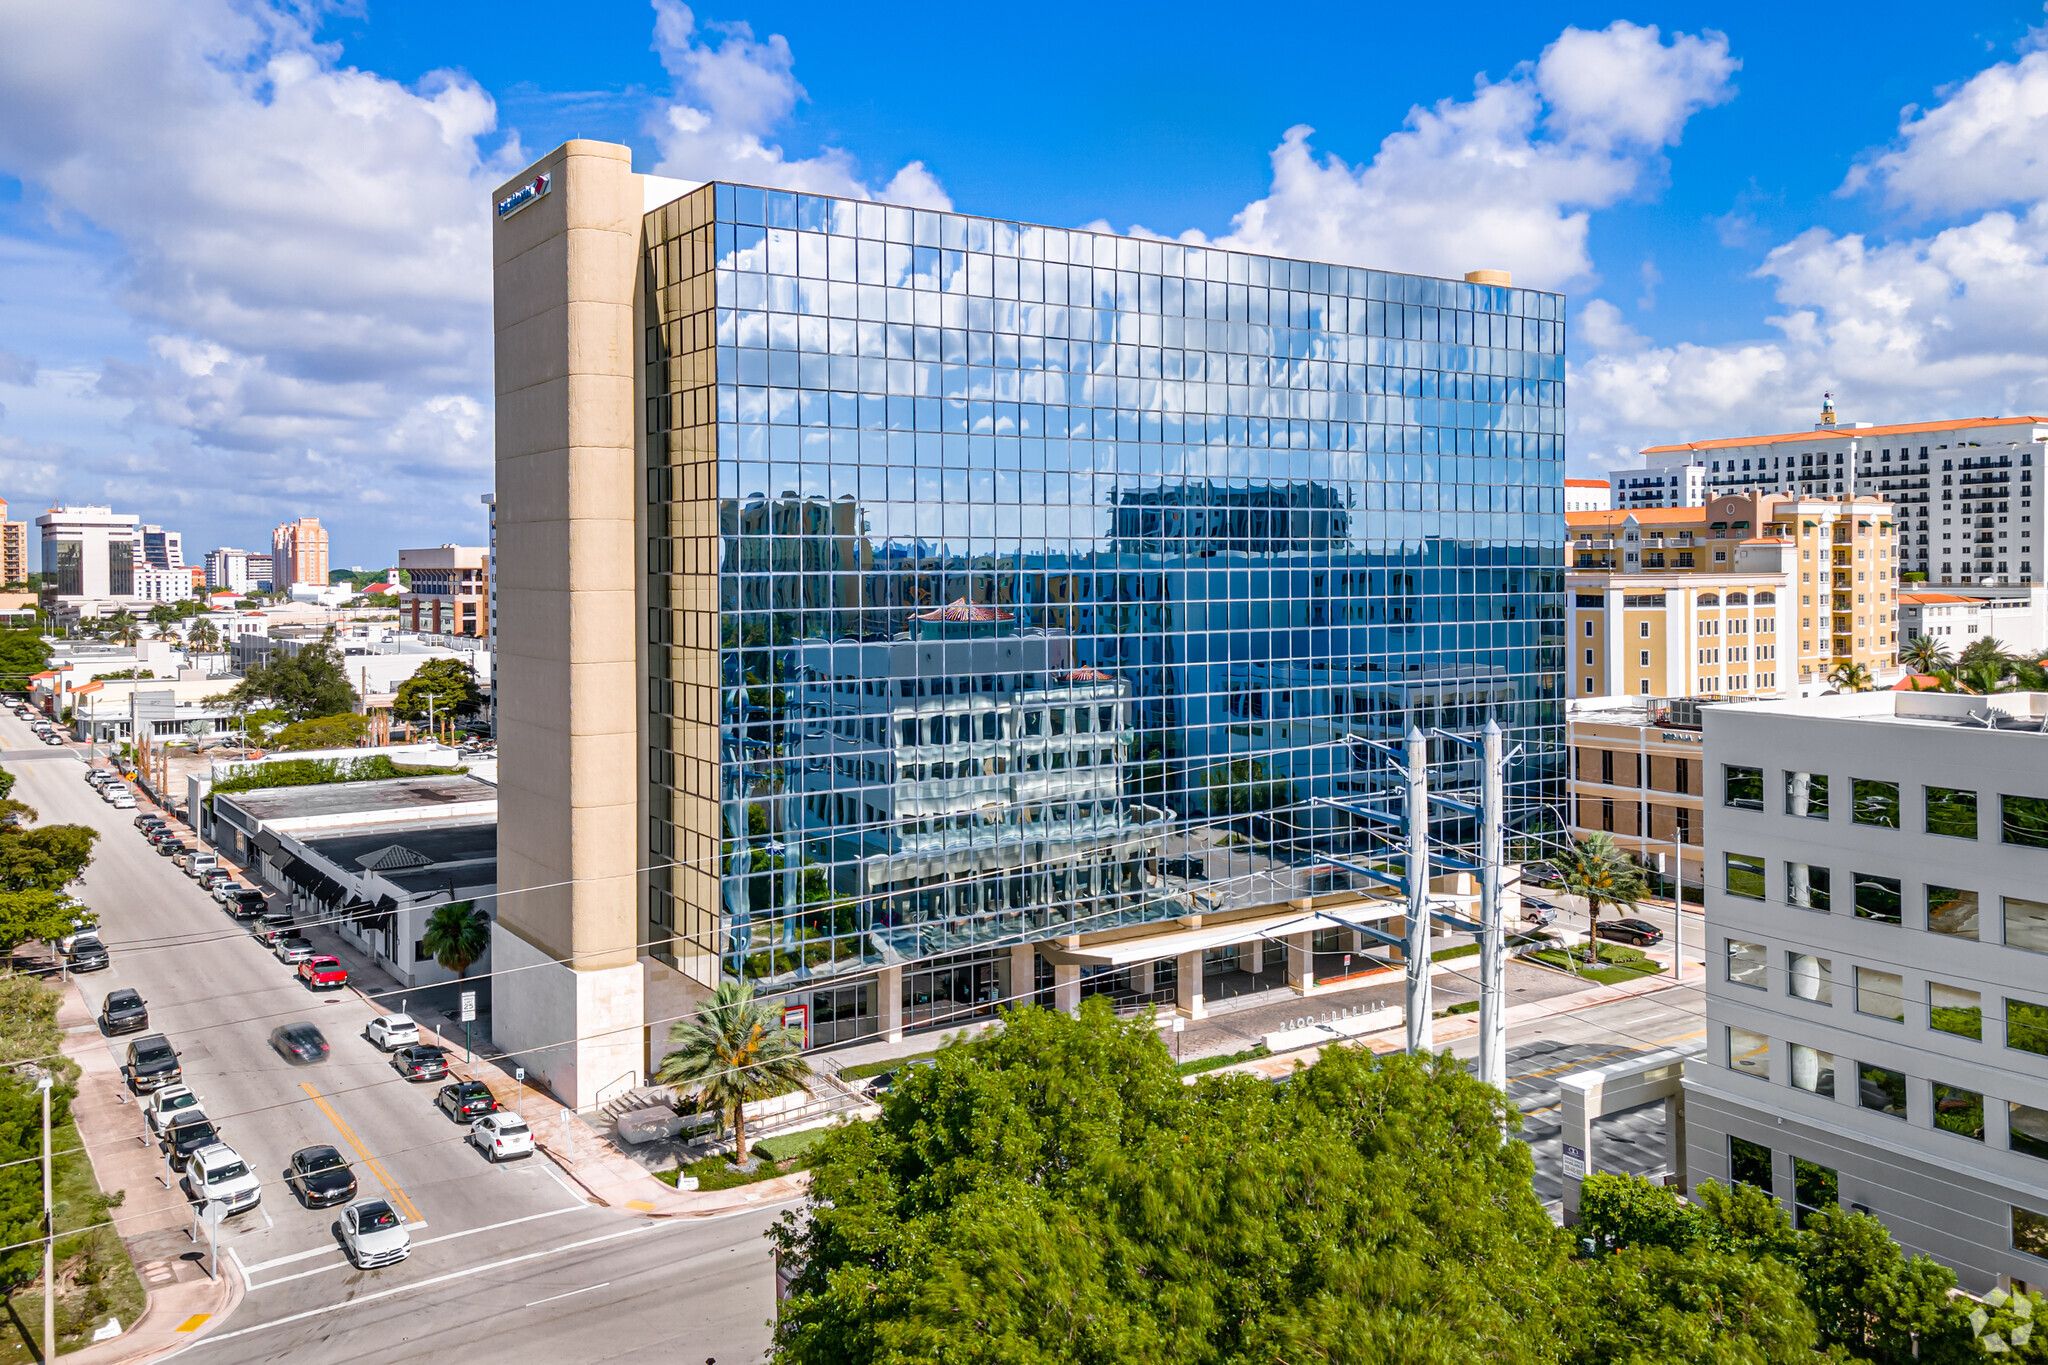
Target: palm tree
1981,676
204,636
736,1050
457,935
1595,868
1925,654
125,631
1851,677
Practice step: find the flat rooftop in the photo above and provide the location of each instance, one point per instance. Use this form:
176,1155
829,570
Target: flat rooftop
2016,712
388,795
419,857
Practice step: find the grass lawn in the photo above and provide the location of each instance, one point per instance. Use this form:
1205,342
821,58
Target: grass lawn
95,1278
779,1156
867,1069
1619,963
1194,1065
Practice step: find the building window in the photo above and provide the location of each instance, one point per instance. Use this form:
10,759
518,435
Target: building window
1643,630
1882,995
1607,767
1874,803
1877,897
1748,964
1749,1163
1810,978
2029,1232
1643,661
1952,812
1745,876
2024,820
1744,787
1813,1070
1749,1052
2026,924
2026,1026
1959,1111
1806,886
1952,911
1607,814
2027,1129
1806,794
419,950
1954,1009
1682,820
1881,1090
1814,1188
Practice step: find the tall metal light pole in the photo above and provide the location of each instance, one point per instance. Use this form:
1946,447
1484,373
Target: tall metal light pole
49,1232
1420,1032
1493,1000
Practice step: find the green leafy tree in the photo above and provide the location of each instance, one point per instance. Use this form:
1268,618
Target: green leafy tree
449,683
304,685
457,935
1595,868
23,654
322,732
733,1051
44,858
1925,654
21,1180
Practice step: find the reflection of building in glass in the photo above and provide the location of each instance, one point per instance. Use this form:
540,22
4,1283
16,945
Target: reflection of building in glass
911,483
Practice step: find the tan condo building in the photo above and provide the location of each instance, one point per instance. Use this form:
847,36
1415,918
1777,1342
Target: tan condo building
449,593
298,554
1636,773
13,548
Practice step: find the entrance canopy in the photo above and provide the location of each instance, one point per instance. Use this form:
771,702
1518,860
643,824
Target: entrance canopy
1130,951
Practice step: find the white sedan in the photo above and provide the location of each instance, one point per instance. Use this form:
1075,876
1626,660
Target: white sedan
168,1105
393,1031
501,1135
373,1234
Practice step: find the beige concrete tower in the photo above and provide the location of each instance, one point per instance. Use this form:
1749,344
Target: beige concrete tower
565,255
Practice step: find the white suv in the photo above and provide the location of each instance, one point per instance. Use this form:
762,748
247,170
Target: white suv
217,1172
501,1135
393,1031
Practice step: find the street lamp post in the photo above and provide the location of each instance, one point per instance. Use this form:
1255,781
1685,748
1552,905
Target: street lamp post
49,1231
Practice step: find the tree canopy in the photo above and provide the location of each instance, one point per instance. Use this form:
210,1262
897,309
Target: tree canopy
1052,1192
23,654
304,685
322,732
449,683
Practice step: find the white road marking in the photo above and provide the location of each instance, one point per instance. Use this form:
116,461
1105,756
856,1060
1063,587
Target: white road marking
570,1295
417,1243
567,1188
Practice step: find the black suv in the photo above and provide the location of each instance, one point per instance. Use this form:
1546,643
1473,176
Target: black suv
152,1063
190,1133
88,954
420,1063
320,1177
123,1011
466,1100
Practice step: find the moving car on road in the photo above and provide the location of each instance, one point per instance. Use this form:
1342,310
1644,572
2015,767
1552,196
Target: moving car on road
501,1135
320,1177
420,1063
323,973
123,1011
1640,932
219,1174
373,1234
463,1101
167,1106
301,1044
391,1031
152,1063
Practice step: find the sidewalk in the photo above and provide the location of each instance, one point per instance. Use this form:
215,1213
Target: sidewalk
154,1218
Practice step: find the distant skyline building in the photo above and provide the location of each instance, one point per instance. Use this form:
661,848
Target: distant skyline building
299,553
1588,495
1667,479
160,548
88,552
450,591
228,568
13,548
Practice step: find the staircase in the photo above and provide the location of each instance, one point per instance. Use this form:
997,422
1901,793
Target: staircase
640,1097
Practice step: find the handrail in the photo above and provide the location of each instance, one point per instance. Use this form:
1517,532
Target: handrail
597,1100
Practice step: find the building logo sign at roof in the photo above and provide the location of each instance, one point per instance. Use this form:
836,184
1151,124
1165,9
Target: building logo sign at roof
524,195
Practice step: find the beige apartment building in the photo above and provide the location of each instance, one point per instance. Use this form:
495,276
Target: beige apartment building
13,548
1750,595
449,589
298,553
1636,773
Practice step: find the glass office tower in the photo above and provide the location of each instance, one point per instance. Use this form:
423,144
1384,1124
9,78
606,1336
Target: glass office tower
1010,584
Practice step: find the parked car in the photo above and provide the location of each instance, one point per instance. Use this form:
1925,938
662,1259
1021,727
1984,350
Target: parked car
247,902
1640,932
321,1177
214,877
463,1101
882,1084
373,1234
123,1011
301,1044
96,776
1542,874
187,1134
292,949
420,1063
110,790
53,738
122,801
323,973
201,863
172,847
87,954
148,820
169,1105
392,1031
501,1135
152,1062
1540,913
218,1174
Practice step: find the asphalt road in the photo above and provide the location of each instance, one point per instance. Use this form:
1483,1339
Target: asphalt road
496,1247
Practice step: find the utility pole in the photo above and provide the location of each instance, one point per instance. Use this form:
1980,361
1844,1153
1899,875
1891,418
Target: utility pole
49,1232
1420,1031
1493,1000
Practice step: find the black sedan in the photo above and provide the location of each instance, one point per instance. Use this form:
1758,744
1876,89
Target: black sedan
320,1177
466,1100
1640,932
123,1012
188,1136
299,1044
421,1063
87,954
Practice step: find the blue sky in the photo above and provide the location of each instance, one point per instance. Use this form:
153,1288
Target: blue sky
242,269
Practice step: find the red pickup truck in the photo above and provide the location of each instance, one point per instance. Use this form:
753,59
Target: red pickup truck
323,973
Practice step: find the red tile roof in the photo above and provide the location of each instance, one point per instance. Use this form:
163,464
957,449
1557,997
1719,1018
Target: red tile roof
1587,483
1828,433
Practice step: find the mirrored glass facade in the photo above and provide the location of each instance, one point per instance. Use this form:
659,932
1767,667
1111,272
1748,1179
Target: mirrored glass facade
1007,582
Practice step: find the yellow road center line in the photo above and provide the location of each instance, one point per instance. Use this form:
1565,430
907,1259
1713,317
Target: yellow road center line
398,1196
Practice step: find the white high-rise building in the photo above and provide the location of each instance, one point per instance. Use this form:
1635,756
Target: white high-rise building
1667,479
89,552
228,568
1588,495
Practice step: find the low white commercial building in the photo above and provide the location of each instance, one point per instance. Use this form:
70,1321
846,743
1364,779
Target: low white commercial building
1877,994
1960,616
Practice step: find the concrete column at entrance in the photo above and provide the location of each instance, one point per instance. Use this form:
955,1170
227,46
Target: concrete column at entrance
1023,973
1066,988
1301,964
1141,977
890,987
1188,986
1253,955
1587,1095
